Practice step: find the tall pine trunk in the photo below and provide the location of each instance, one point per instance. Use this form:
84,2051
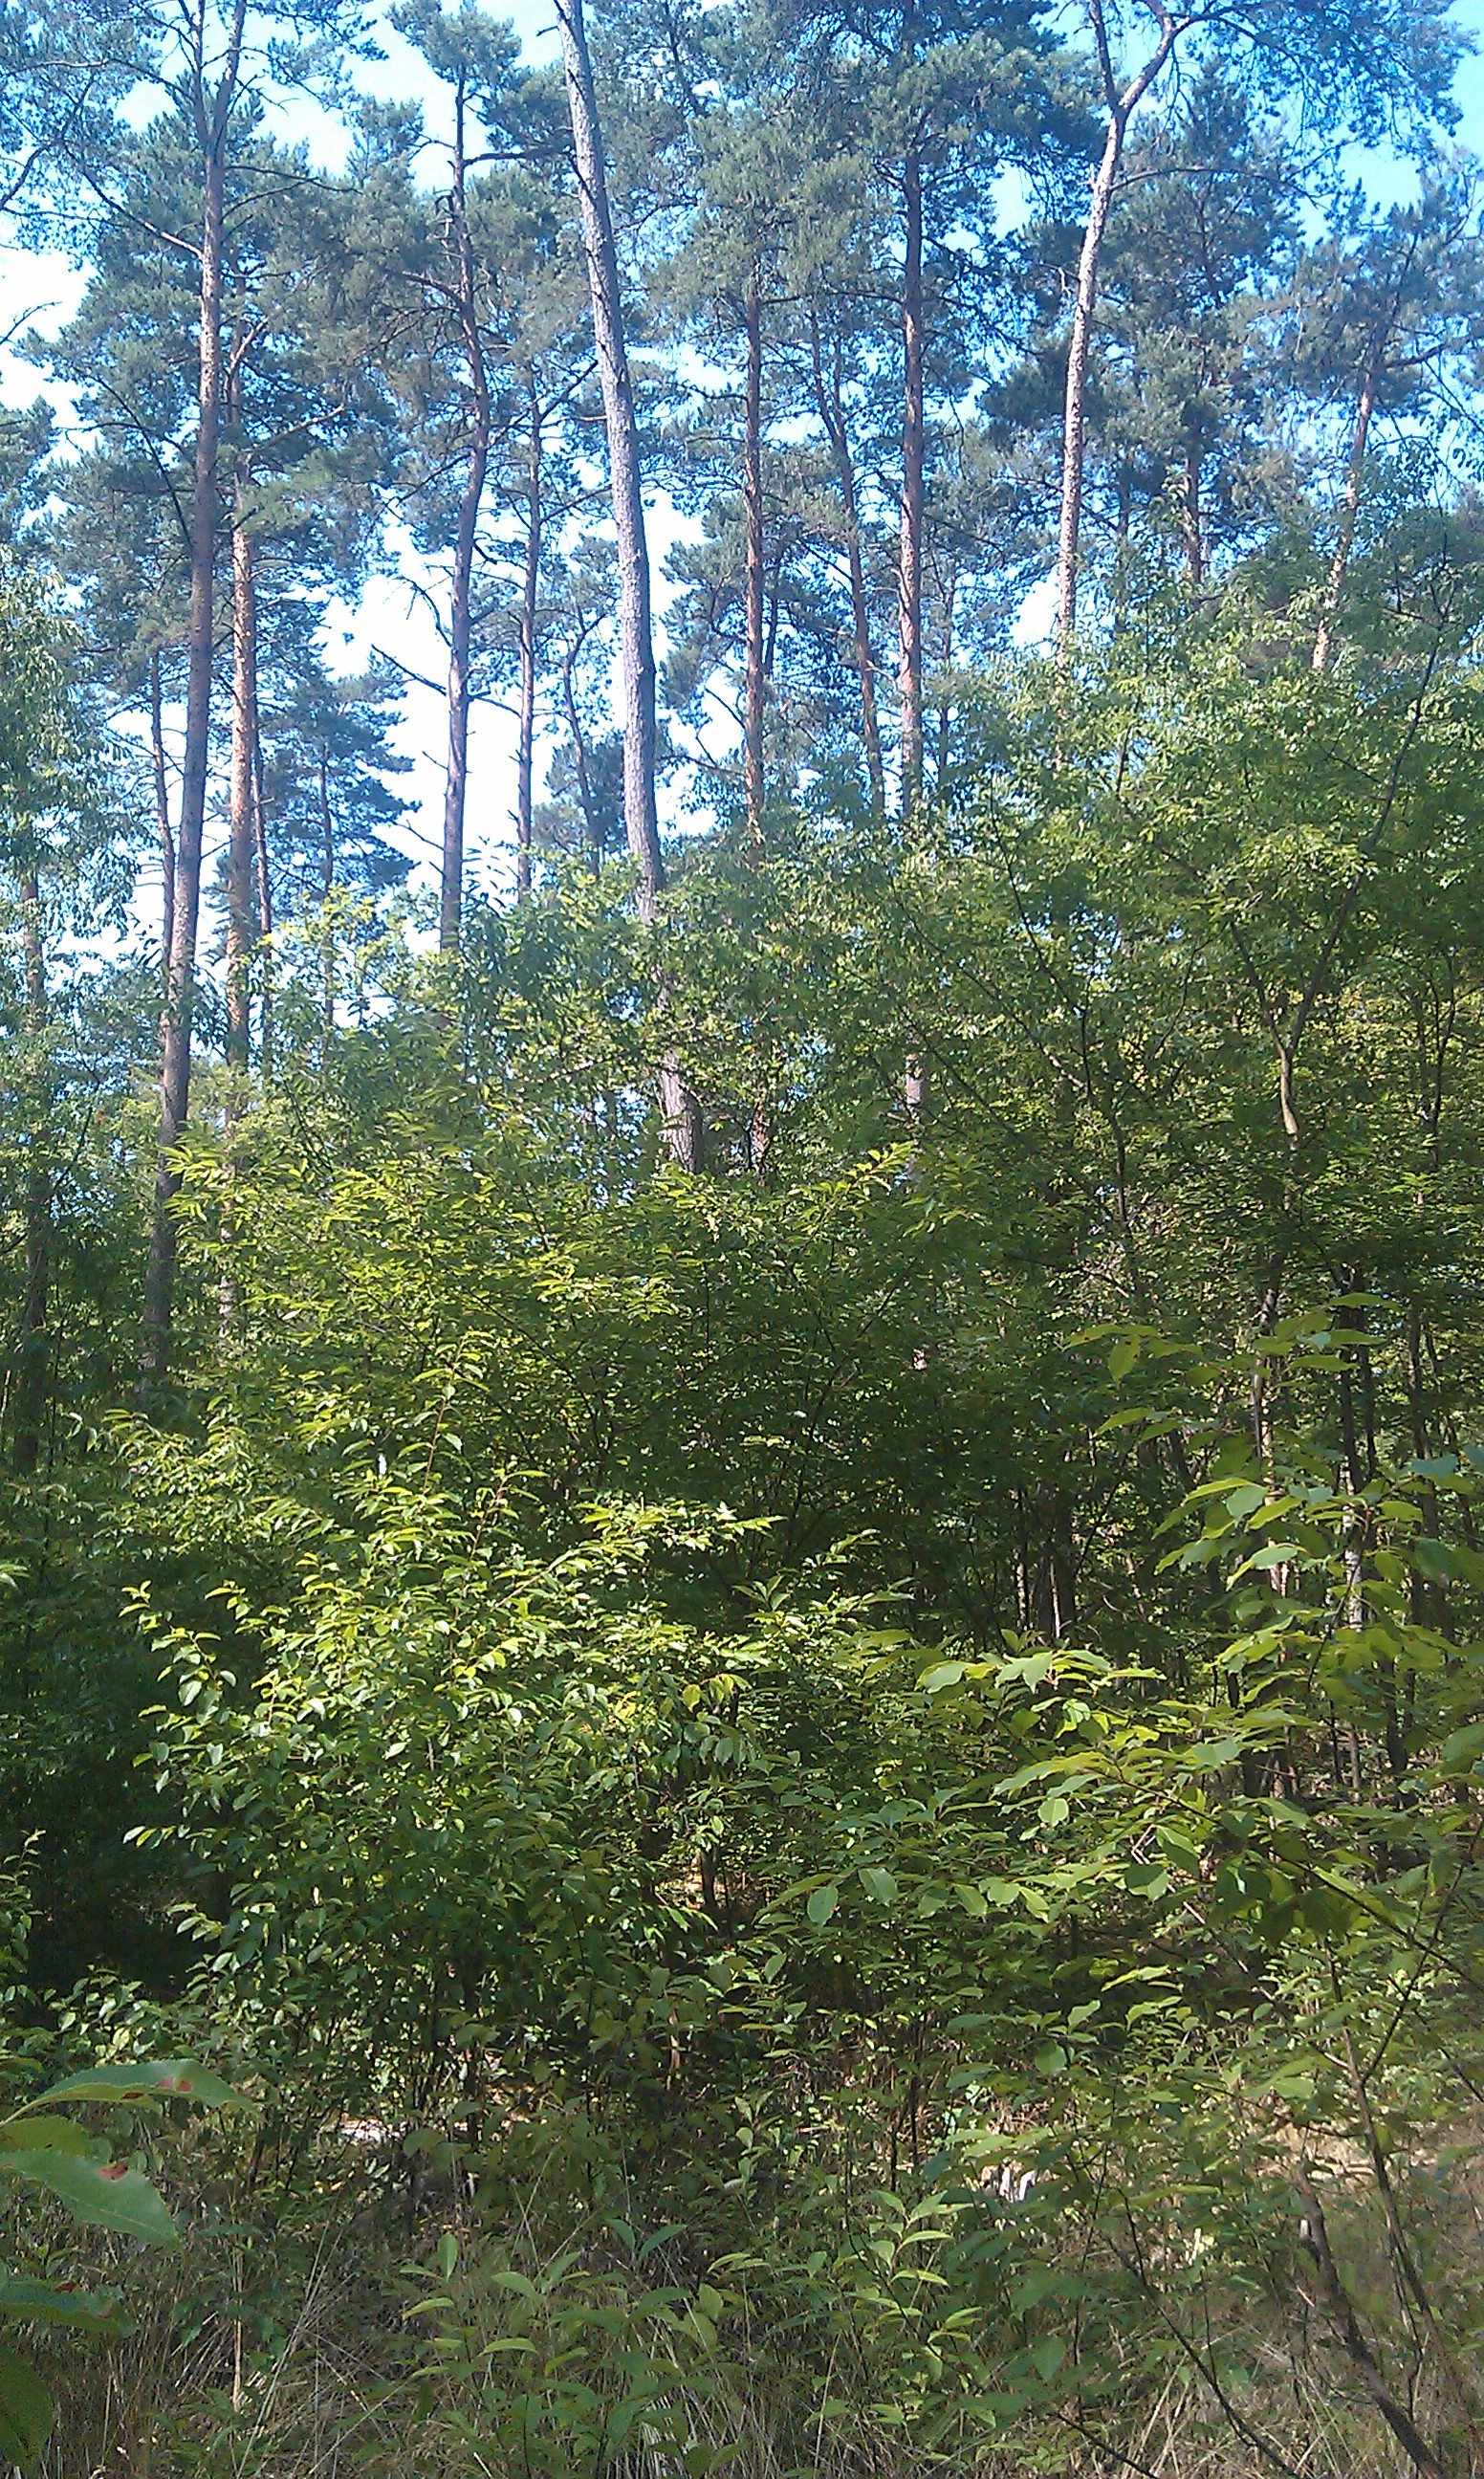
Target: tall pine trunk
212,118
165,833
831,402
451,909
913,452
31,1372
751,495
530,584
1121,104
683,1126
242,927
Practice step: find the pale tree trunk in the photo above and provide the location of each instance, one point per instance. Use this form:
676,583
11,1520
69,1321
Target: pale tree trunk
831,402
31,1372
1190,511
450,909
1121,104
1349,506
164,831
636,637
327,867
684,1125
242,927
265,912
530,584
913,456
212,121
751,498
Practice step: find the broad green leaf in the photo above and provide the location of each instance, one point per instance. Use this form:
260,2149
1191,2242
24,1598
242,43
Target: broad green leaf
821,1905
103,2192
25,2410
44,2135
880,1883
40,2302
163,2078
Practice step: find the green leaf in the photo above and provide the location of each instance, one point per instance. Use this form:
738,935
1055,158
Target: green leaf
1047,2355
1120,1360
44,2135
25,2410
164,2078
880,1883
821,1905
103,2192
39,2302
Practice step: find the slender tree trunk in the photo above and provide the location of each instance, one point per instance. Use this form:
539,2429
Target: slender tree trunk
212,125
242,927
832,413
31,1373
636,639
328,864
946,712
913,456
265,883
530,584
1191,512
684,1125
164,830
1121,106
450,909
590,817
1349,506
751,495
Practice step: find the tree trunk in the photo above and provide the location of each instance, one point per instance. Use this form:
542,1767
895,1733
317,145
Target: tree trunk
1191,513
752,494
328,851
212,125
31,1373
636,641
242,927
461,594
913,455
1350,506
684,1128
832,413
162,828
1120,107
529,591
265,911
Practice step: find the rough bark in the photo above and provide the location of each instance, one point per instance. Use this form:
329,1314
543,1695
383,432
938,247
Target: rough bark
461,594
684,1125
636,639
831,401
751,499
242,927
1349,506
1121,104
213,117
909,558
164,830
265,883
31,1357
530,582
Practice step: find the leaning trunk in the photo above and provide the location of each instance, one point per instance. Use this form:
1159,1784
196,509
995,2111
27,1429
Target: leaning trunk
913,449
636,639
1075,409
682,1120
752,493
31,1372
180,977
525,754
461,600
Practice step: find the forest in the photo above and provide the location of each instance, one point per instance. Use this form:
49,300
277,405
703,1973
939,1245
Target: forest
741,1237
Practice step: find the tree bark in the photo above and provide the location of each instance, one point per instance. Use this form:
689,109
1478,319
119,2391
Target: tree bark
327,879
461,595
1121,105
242,927
1349,506
913,457
636,639
265,911
164,830
752,497
1194,546
832,413
684,1125
212,118
31,1373
529,591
